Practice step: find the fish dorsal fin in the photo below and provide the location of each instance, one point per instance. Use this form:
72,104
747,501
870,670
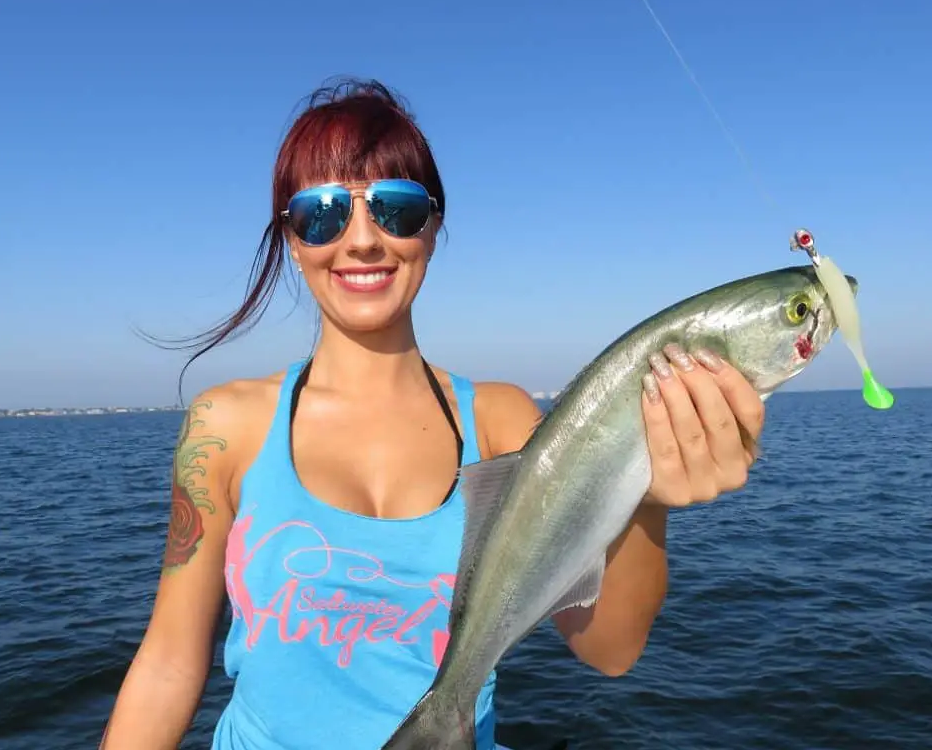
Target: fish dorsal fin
483,485
585,591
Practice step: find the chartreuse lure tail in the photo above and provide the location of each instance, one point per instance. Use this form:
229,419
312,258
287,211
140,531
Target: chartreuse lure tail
841,298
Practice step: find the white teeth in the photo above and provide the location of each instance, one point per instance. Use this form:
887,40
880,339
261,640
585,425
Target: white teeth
363,279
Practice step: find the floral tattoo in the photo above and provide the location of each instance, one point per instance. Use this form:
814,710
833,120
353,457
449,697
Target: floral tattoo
186,526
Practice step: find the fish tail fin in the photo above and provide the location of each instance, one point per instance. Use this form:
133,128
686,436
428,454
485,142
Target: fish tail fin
439,721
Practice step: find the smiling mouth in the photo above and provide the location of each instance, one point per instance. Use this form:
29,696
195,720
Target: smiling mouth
364,280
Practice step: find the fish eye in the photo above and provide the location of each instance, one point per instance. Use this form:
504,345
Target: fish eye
798,307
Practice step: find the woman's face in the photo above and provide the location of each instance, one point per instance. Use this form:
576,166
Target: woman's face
365,279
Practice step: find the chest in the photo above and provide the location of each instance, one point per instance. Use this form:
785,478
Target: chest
378,460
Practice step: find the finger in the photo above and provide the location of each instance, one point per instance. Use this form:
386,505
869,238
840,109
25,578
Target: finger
719,422
688,429
752,450
669,484
750,419
744,401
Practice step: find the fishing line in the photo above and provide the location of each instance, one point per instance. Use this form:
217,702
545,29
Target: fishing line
755,177
841,297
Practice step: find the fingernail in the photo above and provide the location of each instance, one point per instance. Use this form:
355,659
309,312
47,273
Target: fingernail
651,388
660,365
680,358
708,359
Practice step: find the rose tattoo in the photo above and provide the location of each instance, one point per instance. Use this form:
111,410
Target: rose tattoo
186,526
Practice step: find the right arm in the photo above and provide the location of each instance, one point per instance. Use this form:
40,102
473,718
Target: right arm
166,678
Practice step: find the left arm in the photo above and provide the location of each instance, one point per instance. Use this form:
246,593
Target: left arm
700,416
611,634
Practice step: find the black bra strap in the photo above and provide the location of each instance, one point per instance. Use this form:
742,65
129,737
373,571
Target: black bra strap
435,386
447,412
299,384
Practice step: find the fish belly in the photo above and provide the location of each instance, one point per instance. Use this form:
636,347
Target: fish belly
554,532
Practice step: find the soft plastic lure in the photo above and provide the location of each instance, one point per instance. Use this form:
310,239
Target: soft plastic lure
843,305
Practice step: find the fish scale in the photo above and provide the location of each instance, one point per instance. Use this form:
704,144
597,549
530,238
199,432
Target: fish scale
539,521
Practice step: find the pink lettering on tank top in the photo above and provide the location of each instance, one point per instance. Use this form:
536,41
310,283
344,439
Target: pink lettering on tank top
296,611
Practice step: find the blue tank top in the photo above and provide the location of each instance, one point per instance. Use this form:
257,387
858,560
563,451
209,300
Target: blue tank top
339,619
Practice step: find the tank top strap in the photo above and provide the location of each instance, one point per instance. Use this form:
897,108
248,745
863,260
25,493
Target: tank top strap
278,441
465,394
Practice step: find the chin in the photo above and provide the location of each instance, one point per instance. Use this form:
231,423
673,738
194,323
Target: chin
368,321
366,326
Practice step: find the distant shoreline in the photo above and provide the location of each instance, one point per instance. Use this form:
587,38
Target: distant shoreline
91,411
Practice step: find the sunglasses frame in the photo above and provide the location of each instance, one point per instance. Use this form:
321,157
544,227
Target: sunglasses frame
433,207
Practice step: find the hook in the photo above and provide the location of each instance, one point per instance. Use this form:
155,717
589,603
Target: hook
802,239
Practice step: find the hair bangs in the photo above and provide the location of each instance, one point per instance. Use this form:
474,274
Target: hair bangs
359,138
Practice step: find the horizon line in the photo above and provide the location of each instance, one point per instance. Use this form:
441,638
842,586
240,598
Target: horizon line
536,395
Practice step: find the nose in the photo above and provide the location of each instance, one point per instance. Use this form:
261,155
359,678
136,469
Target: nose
362,235
853,283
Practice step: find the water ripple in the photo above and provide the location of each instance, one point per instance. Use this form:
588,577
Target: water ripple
799,614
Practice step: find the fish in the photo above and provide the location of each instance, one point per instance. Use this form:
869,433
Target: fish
539,520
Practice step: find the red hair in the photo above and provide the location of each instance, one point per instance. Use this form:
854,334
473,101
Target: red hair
350,131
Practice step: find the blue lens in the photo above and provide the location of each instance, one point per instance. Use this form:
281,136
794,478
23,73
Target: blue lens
400,207
319,214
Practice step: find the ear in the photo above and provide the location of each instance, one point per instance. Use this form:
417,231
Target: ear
291,246
435,223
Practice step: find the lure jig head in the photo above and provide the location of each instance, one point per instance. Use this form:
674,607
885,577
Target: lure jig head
802,239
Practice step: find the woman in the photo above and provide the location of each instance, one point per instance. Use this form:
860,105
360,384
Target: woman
323,499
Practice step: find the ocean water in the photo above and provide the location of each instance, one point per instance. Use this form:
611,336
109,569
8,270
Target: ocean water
799,612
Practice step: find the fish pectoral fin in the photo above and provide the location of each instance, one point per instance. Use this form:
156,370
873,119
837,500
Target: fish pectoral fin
483,486
585,591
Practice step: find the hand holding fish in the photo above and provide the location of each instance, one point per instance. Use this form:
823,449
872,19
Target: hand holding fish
695,413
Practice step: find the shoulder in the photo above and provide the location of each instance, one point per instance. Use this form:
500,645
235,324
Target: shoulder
234,417
506,416
230,407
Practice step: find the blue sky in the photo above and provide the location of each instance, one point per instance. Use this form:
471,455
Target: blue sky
137,140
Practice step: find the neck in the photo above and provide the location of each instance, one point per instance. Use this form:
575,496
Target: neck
369,362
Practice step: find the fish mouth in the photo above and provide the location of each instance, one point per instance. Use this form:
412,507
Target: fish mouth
805,345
